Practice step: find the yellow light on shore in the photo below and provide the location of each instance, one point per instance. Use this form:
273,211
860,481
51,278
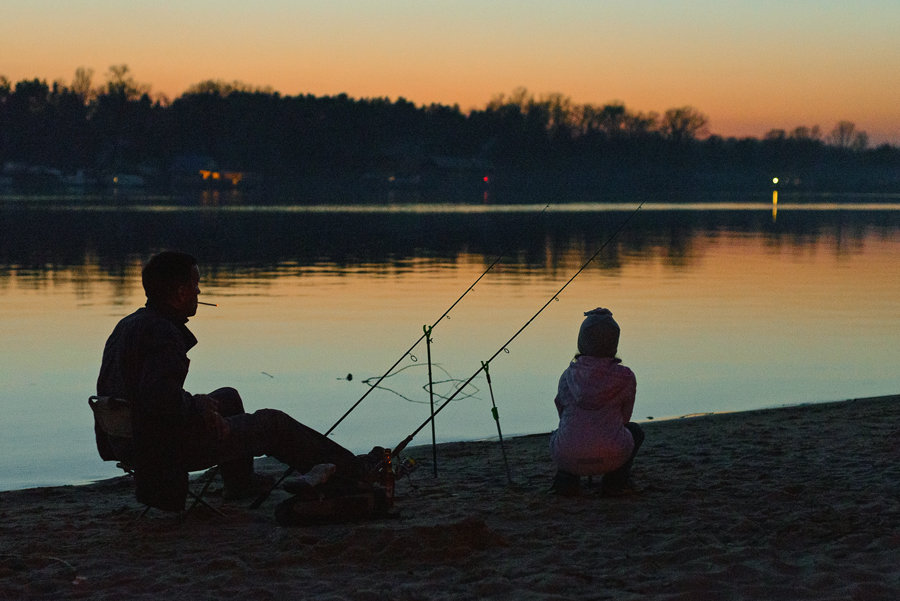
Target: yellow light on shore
774,180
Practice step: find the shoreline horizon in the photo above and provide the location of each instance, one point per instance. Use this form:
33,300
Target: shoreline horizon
792,503
513,436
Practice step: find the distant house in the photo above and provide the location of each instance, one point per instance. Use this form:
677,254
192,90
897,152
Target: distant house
202,171
214,177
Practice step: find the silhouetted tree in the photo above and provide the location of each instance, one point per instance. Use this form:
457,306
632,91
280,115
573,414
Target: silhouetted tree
82,85
844,135
120,82
804,133
118,126
225,88
29,117
683,124
610,119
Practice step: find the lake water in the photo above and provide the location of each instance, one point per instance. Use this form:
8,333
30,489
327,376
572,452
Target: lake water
723,306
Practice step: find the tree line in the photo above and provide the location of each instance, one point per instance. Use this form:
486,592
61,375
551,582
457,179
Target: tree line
120,126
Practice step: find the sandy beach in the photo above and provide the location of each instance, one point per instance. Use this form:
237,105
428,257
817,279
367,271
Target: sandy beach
790,503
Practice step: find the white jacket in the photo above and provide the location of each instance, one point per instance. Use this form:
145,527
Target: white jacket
594,401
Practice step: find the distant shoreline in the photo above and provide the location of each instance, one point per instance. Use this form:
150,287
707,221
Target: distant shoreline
423,447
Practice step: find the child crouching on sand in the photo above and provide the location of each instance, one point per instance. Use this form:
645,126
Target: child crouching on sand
594,401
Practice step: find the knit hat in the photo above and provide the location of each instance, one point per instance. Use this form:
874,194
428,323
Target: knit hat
599,334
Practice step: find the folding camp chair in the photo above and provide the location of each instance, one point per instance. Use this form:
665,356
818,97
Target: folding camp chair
113,416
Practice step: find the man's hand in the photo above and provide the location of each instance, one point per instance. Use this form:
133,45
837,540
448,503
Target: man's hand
217,424
209,408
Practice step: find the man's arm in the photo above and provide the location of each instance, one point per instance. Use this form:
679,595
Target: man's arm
209,409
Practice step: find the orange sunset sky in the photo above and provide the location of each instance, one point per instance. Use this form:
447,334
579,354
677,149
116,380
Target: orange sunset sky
750,66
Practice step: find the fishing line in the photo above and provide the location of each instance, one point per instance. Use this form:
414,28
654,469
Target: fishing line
424,334
449,380
484,364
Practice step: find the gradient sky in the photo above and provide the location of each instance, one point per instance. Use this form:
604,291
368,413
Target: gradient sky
749,65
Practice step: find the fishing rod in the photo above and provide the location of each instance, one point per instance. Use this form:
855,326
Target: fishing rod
426,333
496,414
484,364
431,402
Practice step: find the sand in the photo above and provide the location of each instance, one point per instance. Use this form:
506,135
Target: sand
788,503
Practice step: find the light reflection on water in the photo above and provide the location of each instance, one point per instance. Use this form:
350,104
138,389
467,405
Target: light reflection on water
163,204
721,309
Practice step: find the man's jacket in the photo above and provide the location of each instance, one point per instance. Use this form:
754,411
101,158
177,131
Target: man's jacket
145,361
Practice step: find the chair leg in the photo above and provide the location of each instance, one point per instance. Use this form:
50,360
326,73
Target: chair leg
198,497
198,500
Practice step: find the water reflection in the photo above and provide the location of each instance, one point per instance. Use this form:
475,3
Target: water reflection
725,308
39,239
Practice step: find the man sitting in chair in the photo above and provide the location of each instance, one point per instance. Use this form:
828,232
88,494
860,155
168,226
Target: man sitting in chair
145,361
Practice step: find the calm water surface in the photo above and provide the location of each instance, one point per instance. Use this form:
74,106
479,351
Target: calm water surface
722,306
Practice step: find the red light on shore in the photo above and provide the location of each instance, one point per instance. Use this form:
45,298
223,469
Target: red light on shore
486,179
